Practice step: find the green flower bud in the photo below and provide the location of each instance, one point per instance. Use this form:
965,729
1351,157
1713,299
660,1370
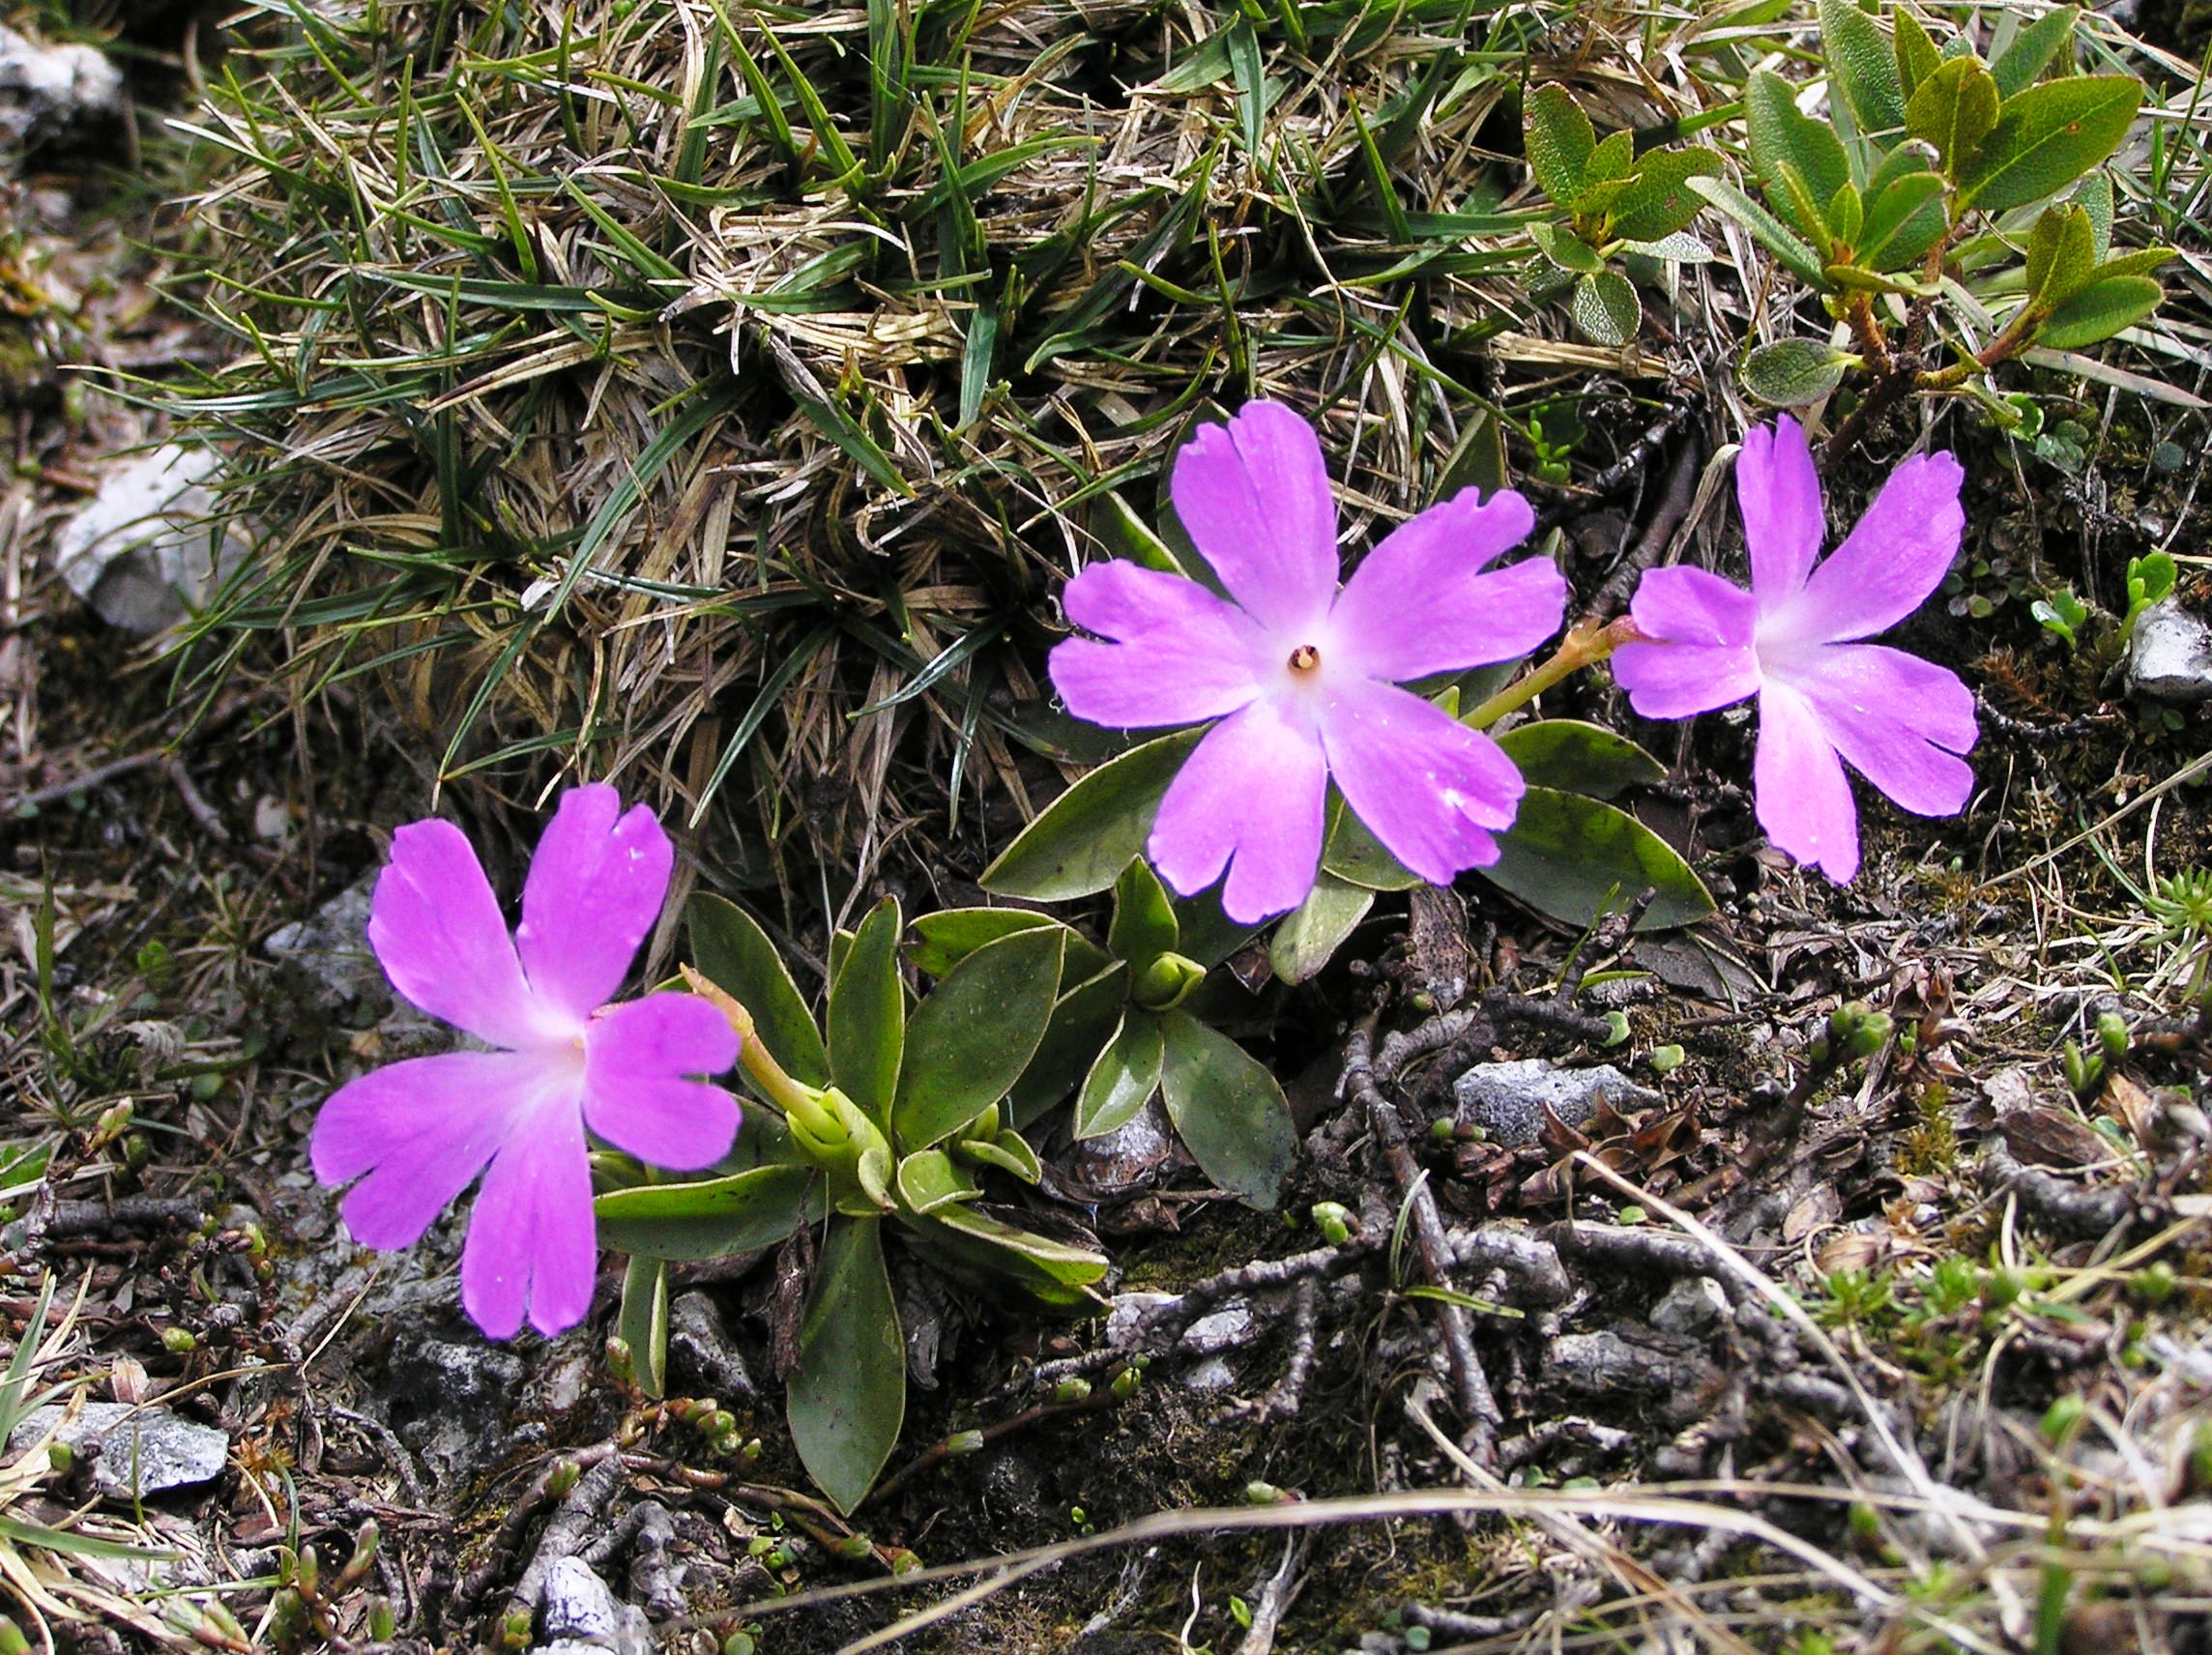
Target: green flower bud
1442,1128
515,1629
854,1547
60,1457
2112,1036
1167,983
964,1442
1257,1493
365,1545
621,1361
114,1121
2155,1283
310,1572
2062,1418
1125,1384
739,1644
11,1639
383,1624
1615,1028
179,1341
563,1477
1072,1389
1664,1059
904,1562
1334,1222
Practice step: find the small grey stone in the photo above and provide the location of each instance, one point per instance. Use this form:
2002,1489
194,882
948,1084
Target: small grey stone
1691,1306
1209,1375
1228,1327
1125,1310
44,88
331,947
1508,1100
2169,655
142,1450
700,1346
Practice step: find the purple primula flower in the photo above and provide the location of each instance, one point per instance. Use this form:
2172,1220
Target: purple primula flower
1793,641
421,1130
1301,675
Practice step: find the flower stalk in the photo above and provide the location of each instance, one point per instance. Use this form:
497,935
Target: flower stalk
1587,643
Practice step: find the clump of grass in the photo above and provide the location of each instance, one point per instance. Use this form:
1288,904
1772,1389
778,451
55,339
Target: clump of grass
712,396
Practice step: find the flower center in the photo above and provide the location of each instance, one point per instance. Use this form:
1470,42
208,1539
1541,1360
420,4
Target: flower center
1305,659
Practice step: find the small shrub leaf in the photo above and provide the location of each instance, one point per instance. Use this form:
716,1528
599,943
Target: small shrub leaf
1559,138
2100,309
1605,307
1790,373
2047,136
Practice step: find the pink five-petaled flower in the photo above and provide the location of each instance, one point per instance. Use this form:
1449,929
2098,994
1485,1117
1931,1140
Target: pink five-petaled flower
1792,640
1304,676
421,1130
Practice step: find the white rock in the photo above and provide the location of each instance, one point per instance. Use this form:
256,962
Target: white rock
2169,655
1127,1310
43,88
149,544
332,946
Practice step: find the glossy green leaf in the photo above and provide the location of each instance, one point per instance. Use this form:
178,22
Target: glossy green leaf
1790,373
1353,854
1862,66
1082,1020
710,1218
1126,1075
1785,141
1010,1152
1144,924
642,1322
867,1014
1559,138
846,1399
971,1037
1953,109
937,1204
2100,311
1308,935
1660,202
1605,307
1116,523
2032,49
1565,248
1575,858
1228,1111
735,954
2047,137
1081,842
945,937
1765,228
1575,757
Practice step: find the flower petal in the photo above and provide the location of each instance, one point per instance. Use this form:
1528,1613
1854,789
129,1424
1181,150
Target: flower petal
636,1057
596,887
1251,799
1253,495
532,1241
1426,785
422,1131
1779,493
1176,653
1887,565
1802,796
1702,657
1899,720
438,933
1422,602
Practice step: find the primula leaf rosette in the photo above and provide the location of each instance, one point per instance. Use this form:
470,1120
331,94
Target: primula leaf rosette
416,1134
1304,676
